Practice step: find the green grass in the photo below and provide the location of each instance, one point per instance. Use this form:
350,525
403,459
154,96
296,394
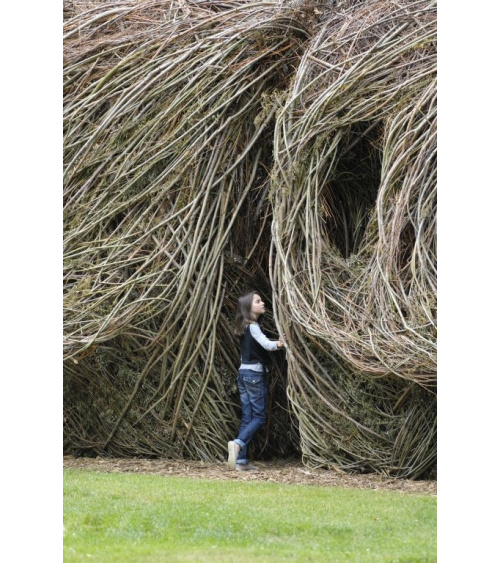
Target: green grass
121,518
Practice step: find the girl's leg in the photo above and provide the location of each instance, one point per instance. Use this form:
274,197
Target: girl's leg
246,418
253,387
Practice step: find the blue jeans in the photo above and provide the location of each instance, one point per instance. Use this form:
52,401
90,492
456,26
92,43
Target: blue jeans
253,394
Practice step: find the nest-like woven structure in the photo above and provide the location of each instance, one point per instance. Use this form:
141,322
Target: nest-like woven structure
216,147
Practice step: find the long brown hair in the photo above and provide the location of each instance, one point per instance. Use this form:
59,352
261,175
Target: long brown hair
244,313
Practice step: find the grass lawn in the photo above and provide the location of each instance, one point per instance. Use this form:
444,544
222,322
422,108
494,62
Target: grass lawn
116,517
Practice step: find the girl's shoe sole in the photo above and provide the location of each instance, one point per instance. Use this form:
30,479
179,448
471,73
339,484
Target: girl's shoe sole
231,450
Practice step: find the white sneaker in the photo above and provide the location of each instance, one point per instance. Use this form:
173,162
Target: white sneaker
233,450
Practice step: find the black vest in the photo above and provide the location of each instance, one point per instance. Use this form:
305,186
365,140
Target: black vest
251,351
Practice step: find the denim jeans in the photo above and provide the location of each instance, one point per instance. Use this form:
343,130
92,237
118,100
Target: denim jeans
253,394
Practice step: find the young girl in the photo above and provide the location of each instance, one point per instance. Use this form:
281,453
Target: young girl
252,378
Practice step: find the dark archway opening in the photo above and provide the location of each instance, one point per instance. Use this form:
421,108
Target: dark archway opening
350,192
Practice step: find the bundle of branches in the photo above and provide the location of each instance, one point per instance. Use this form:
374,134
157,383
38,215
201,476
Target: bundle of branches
168,145
354,225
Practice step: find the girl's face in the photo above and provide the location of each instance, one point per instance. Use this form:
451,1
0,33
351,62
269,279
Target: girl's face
258,307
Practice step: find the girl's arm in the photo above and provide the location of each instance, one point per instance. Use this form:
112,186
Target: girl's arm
263,340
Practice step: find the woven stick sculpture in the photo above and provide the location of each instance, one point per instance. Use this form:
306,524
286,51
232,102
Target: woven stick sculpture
216,147
354,225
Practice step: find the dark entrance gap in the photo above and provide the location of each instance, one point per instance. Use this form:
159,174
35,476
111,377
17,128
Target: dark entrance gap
350,192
